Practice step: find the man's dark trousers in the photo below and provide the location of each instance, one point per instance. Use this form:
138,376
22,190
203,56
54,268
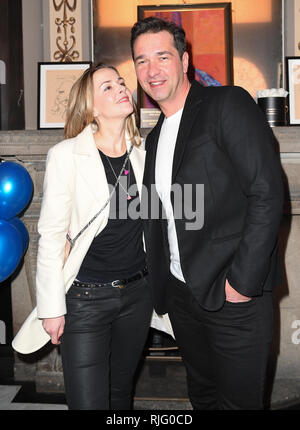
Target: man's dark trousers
225,351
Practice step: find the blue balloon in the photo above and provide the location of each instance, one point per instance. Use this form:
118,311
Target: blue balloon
16,189
11,249
19,225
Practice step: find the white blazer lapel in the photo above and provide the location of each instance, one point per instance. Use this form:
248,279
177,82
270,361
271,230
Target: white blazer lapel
137,159
89,165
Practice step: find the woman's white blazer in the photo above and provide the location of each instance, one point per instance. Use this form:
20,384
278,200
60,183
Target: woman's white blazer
75,188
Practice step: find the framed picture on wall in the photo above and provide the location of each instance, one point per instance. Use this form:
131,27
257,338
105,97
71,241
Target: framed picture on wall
293,87
54,84
208,29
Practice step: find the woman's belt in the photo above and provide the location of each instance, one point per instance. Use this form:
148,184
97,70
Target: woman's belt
119,283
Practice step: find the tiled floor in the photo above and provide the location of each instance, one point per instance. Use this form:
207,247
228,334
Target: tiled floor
9,399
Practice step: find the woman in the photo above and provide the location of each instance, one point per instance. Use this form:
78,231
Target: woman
97,303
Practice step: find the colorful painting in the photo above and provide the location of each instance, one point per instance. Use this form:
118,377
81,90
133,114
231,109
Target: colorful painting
208,29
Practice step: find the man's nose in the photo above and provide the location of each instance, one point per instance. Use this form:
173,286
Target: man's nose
153,69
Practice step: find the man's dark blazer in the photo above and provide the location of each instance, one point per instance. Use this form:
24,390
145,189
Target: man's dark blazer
225,143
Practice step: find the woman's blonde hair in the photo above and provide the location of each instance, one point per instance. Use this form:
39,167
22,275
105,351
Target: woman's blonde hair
80,109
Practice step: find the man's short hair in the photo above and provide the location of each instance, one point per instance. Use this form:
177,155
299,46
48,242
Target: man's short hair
155,25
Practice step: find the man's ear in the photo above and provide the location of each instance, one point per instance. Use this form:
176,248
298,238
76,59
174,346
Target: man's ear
185,61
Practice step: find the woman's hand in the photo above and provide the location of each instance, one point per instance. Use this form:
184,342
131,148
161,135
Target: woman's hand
55,328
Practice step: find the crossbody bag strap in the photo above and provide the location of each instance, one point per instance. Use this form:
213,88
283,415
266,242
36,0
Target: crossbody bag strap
72,241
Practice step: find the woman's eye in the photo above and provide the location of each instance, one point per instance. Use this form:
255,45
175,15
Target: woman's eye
107,88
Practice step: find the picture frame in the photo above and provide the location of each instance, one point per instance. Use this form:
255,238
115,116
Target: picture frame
293,88
210,47
54,84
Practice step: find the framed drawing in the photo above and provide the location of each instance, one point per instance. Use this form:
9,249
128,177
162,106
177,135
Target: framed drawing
208,29
54,84
293,87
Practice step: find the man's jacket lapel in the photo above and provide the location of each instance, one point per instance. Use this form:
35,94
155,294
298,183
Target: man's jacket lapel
189,115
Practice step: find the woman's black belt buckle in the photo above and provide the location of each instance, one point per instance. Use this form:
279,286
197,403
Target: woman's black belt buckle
117,284
121,283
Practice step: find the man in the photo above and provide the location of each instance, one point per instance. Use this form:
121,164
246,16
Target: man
215,282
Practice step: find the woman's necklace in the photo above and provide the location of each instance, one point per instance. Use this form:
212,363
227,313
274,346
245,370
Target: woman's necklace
126,173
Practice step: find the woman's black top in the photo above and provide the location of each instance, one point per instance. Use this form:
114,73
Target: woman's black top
117,252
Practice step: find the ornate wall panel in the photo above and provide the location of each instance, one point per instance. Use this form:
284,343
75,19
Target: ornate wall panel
65,30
